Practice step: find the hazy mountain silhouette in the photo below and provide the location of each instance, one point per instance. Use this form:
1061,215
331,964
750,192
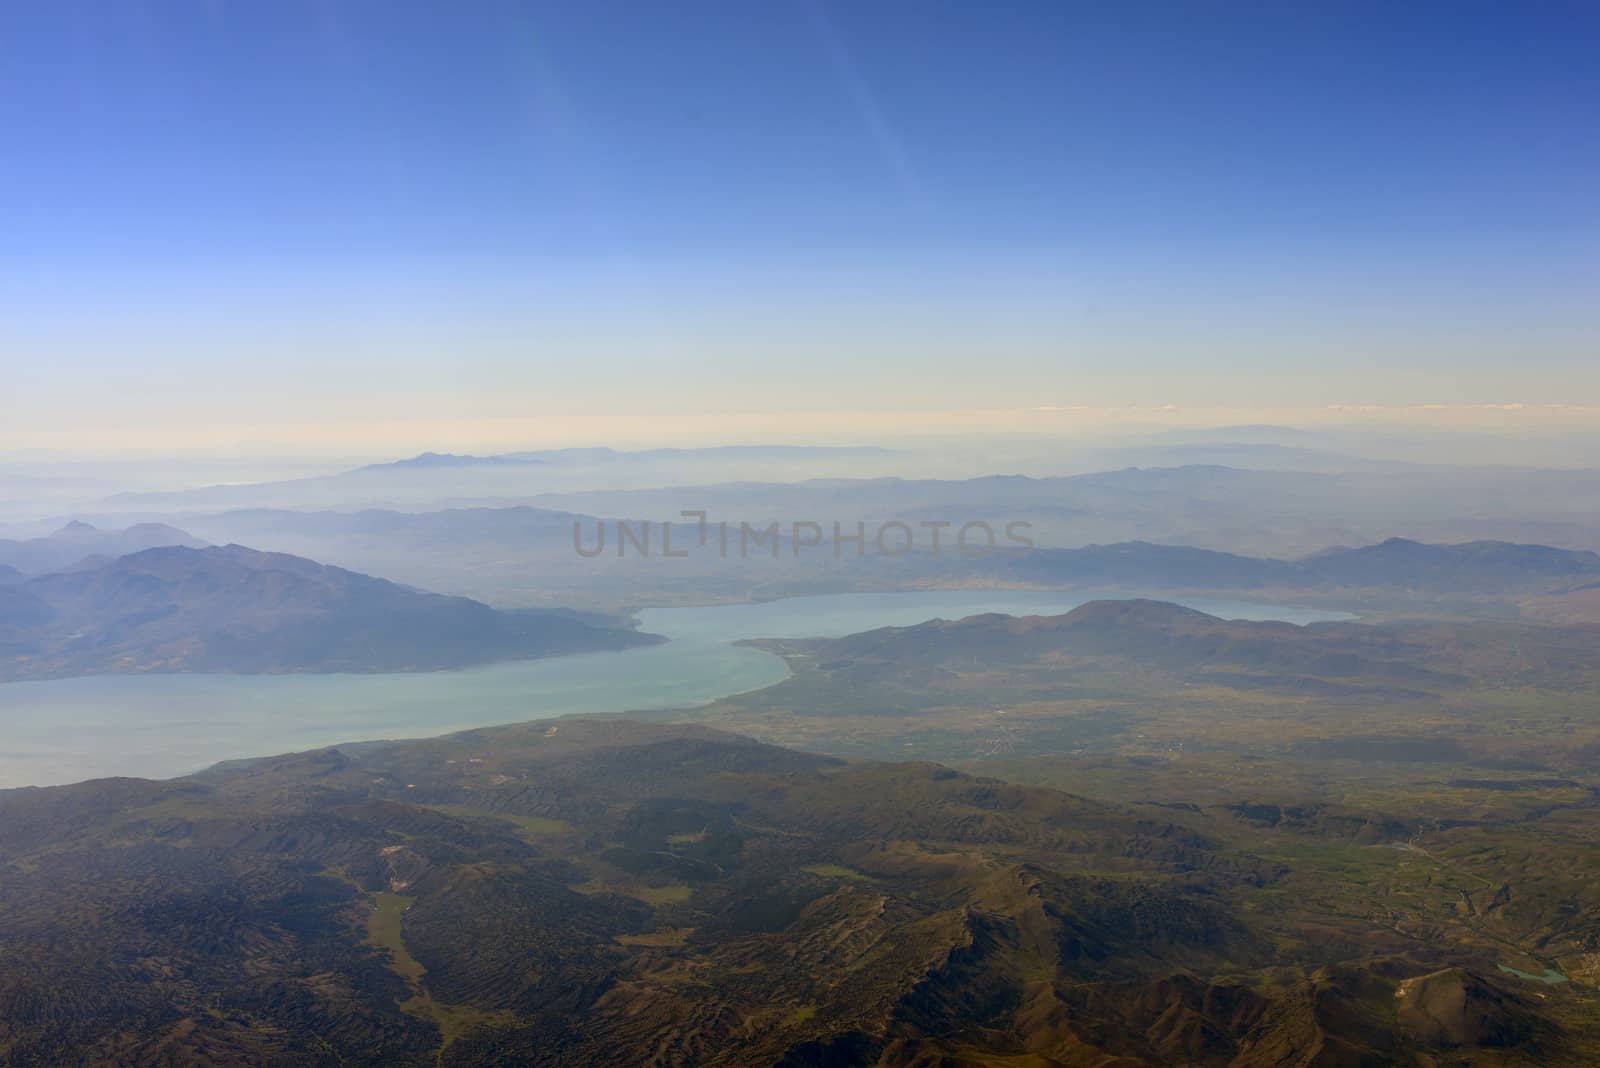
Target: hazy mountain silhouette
1398,564
78,540
237,610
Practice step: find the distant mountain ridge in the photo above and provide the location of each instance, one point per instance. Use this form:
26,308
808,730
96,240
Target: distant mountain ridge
443,479
1398,563
1470,566
78,541
233,609
1283,514
446,459
601,453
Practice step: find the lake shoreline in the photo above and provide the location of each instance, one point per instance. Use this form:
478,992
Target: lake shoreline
164,726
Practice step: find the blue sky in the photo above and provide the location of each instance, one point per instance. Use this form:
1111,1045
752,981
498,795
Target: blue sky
321,213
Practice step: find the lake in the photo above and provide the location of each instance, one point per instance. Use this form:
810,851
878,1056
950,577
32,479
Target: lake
158,726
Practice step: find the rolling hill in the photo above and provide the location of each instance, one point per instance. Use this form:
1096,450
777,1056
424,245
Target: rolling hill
1148,643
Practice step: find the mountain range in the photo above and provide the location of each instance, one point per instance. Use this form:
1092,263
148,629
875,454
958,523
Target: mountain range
233,609
1263,512
525,556
1241,501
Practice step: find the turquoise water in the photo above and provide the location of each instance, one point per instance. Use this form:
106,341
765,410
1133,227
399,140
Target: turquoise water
1551,976
162,725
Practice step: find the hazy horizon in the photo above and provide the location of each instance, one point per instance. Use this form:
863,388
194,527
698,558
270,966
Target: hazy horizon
361,442
629,225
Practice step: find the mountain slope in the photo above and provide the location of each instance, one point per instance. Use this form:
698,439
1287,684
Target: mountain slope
1136,637
233,609
596,893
